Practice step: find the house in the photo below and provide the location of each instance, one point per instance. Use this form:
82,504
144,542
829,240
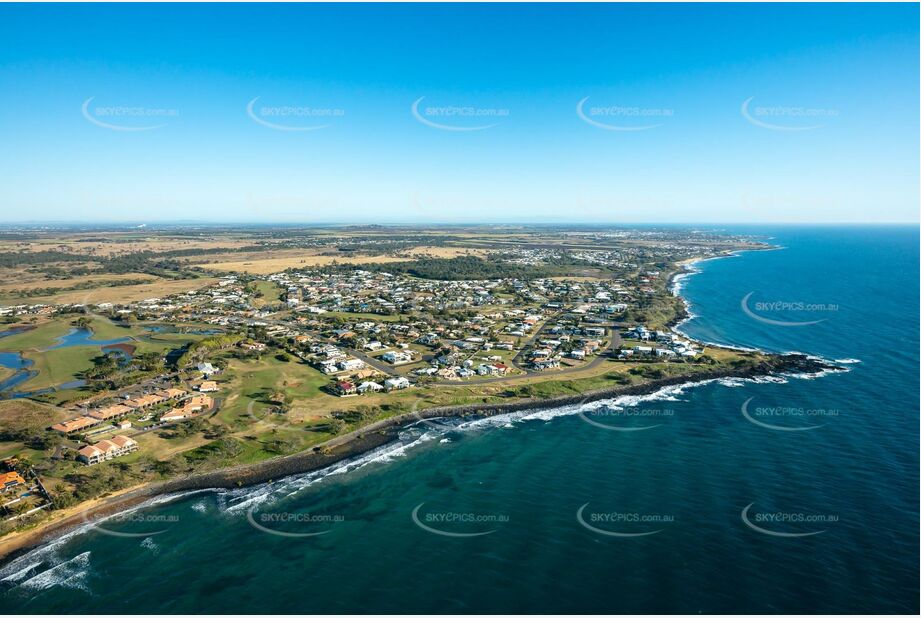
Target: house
208,386
75,424
345,388
577,354
494,369
392,384
546,363
105,450
207,368
664,352
397,357
9,480
351,364
253,346
328,366
373,387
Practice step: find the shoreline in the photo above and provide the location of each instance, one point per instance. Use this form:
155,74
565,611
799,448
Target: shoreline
353,444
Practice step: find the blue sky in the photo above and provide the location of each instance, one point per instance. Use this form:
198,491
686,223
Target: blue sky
140,113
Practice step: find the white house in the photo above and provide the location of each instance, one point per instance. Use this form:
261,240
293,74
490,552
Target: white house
396,383
207,368
373,387
351,364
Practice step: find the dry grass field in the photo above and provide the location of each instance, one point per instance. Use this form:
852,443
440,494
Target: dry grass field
267,266
442,252
157,288
121,244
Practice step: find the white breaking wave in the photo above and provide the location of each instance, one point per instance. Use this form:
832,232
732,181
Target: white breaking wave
71,573
241,500
35,564
151,545
677,285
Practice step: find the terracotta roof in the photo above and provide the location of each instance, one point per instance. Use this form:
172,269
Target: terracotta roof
75,424
110,412
11,478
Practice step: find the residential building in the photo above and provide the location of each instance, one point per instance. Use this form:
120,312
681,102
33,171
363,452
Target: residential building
105,450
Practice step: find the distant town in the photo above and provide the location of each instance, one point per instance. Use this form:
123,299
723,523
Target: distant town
132,356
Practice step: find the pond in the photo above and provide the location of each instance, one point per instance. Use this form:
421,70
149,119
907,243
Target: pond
83,336
15,330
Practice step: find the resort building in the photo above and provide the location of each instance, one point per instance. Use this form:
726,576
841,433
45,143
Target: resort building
105,450
188,409
110,412
75,424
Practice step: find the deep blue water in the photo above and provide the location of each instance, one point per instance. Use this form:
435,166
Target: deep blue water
686,480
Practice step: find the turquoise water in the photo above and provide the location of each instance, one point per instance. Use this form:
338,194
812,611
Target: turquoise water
520,482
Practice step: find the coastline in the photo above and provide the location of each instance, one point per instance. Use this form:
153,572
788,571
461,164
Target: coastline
361,441
385,431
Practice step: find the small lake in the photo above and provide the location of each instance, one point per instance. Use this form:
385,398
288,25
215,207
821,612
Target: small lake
15,330
14,360
83,336
76,337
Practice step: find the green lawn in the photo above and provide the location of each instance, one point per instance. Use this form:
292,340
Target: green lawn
40,337
58,366
271,292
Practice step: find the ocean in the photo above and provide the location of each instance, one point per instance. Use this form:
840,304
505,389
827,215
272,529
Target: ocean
797,494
